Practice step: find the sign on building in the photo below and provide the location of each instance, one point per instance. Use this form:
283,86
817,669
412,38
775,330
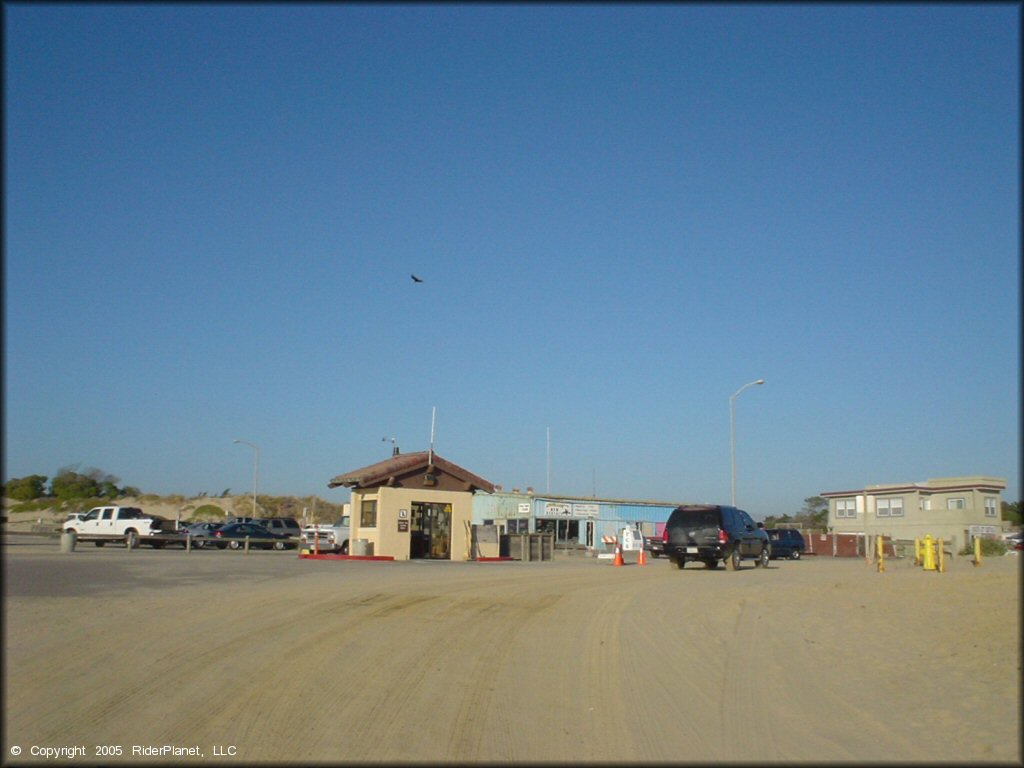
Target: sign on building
552,509
585,510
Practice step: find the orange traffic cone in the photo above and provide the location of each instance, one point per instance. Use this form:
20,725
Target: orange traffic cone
642,559
618,554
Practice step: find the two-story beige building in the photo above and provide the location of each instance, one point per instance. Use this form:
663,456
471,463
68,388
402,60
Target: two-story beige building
954,509
413,505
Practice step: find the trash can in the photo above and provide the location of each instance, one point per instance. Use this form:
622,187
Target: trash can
362,547
68,540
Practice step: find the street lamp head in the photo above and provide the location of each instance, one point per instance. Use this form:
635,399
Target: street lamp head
759,381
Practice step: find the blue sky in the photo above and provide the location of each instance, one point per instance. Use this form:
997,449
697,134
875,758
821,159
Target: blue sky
621,215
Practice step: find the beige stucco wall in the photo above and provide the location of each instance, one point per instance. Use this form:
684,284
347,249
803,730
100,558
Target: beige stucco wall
388,540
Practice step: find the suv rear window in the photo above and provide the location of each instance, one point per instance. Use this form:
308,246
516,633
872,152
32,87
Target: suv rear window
694,519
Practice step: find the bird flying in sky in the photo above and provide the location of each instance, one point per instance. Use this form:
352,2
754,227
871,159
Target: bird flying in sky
416,279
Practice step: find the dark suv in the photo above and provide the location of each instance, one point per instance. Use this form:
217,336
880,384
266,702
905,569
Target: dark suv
287,526
710,533
786,542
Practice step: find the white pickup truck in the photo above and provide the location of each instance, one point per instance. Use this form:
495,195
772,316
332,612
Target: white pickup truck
328,538
129,524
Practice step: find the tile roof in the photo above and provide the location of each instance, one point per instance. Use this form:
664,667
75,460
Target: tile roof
403,463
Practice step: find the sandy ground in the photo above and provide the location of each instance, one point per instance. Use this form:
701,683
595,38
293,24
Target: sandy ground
263,657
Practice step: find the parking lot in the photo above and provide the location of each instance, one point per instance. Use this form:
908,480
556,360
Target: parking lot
570,660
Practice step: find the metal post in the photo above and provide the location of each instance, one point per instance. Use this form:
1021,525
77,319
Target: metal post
547,487
732,434
867,558
255,472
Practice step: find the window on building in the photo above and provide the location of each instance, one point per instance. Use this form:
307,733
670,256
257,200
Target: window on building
518,526
957,503
889,507
926,503
991,507
846,507
368,514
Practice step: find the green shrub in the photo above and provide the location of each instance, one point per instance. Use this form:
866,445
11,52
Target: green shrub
989,548
208,513
26,488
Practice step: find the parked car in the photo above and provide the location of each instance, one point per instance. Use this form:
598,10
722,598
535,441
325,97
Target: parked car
328,538
128,524
655,546
1014,541
200,533
233,535
286,525
785,542
709,533
237,519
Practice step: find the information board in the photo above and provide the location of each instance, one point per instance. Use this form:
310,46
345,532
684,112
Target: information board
631,540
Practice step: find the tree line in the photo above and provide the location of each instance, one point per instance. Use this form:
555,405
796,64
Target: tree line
813,515
68,485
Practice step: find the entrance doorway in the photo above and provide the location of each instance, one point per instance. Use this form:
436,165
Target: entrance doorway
430,531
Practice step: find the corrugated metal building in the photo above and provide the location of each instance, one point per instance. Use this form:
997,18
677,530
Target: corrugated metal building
576,521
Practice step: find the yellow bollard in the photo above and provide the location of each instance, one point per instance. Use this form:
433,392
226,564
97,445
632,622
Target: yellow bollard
977,551
880,545
942,558
928,556
917,551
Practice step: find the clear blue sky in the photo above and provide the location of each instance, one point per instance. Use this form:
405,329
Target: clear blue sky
621,215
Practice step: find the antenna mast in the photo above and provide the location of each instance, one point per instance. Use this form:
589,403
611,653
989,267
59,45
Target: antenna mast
548,487
433,417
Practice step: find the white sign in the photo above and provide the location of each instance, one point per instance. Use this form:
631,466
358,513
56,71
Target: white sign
524,509
585,510
983,530
632,540
557,510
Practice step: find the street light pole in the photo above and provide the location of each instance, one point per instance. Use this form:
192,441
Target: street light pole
255,471
732,433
